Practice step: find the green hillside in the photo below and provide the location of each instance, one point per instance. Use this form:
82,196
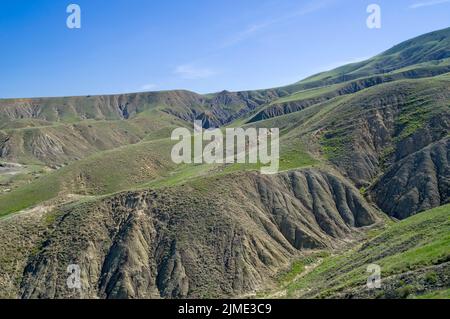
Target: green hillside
363,179
413,255
429,47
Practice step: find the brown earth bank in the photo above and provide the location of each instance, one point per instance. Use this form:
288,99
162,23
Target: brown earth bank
150,244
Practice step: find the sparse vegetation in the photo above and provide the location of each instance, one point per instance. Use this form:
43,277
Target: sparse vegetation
97,183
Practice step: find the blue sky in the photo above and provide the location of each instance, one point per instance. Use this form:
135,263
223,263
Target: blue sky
199,45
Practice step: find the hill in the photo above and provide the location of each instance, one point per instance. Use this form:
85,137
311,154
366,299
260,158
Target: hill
89,181
413,256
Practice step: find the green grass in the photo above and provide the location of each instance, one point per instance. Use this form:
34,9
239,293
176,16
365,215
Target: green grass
296,269
413,118
23,175
306,94
288,161
102,173
27,196
425,49
334,143
183,173
419,241
421,100
146,164
439,294
292,156
299,266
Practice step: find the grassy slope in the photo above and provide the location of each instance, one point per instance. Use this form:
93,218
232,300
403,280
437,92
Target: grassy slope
420,70
100,174
146,164
415,243
123,168
428,47
35,144
332,120
420,106
132,166
426,55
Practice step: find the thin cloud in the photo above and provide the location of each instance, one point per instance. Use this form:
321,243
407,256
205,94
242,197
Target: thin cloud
191,72
247,33
148,87
428,4
255,28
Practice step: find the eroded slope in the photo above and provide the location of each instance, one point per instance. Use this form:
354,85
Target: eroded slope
213,237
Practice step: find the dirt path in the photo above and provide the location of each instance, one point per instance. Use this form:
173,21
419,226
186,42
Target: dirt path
46,207
10,168
282,293
38,211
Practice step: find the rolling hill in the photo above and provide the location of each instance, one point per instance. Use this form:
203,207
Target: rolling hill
364,178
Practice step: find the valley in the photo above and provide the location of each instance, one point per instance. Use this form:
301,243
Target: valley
364,178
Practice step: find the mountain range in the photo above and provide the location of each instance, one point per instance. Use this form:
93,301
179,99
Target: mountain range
364,179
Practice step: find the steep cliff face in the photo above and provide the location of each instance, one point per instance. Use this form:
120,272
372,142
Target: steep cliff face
201,240
405,117
376,133
418,182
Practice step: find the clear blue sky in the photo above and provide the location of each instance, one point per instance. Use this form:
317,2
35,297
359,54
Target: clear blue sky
199,45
